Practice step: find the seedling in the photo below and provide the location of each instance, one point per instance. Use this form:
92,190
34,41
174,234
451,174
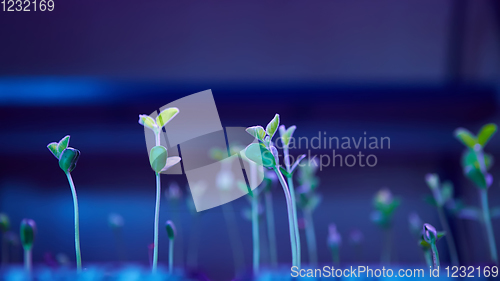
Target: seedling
476,164
308,201
385,205
356,239
68,157
28,232
415,224
174,196
192,255
442,193
116,223
160,162
170,226
265,154
334,241
4,228
430,237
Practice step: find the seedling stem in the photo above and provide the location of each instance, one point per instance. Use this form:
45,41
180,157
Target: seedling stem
77,223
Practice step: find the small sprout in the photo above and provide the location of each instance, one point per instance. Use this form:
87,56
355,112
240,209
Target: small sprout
334,241
173,192
171,232
257,131
147,122
430,236
115,221
4,223
27,233
170,227
415,224
158,158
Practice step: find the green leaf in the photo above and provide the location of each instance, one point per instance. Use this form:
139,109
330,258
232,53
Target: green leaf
53,148
257,132
69,158
469,158
476,176
58,147
170,227
147,121
286,134
171,161
432,181
284,172
4,223
158,158
486,132
465,137
259,154
446,191
441,234
27,233
430,200
166,115
272,127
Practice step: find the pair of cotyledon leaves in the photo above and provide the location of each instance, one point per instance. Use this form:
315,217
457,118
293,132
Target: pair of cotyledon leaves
470,161
67,156
441,192
158,156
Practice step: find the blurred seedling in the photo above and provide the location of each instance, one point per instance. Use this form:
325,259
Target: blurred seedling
173,194
171,232
268,182
286,136
442,194
116,223
475,164
27,233
308,199
68,157
356,238
428,242
160,162
385,205
334,242
4,228
264,153
415,224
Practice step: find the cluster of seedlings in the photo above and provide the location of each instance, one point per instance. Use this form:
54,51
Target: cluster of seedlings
264,152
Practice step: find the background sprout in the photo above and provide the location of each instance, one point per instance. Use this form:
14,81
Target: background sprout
265,153
173,194
194,239
68,157
308,201
171,232
4,227
28,232
415,224
356,238
160,162
475,165
385,205
269,179
116,223
430,237
334,241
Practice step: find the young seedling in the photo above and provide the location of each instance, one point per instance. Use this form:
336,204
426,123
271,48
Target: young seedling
308,201
264,153
385,205
285,136
415,224
68,157
160,162
430,237
356,239
116,223
28,232
4,228
174,196
476,164
442,193
334,241
170,226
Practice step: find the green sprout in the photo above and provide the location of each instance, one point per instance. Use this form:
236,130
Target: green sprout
264,153
171,232
174,196
28,232
475,165
428,241
308,201
442,193
385,205
160,162
4,228
334,241
68,157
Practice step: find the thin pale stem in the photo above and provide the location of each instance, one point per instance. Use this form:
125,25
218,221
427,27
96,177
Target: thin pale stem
157,222
255,235
171,256
449,237
289,205
77,224
311,238
428,257
286,155
27,261
271,232
336,256
489,227
435,255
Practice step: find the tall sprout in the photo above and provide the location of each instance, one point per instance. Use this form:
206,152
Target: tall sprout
476,163
160,162
68,157
385,205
